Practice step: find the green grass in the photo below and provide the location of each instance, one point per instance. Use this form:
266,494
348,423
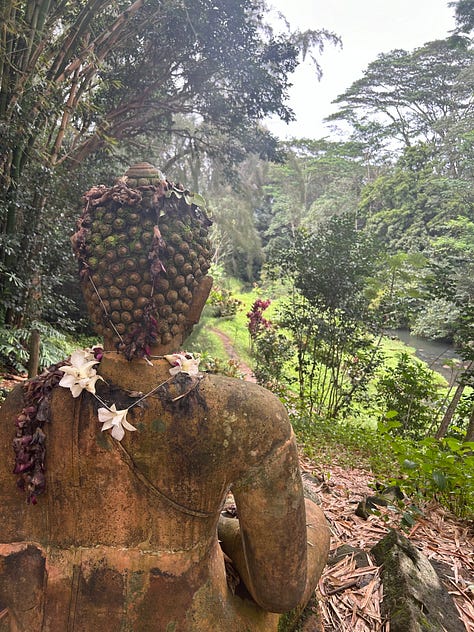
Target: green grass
203,340
350,443
235,327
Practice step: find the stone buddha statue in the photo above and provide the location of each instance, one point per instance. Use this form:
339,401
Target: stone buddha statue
124,456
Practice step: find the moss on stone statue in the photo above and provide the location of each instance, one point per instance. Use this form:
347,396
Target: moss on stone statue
298,620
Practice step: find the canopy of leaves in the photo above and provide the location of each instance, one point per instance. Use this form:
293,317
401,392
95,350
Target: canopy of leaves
413,202
330,266
412,97
318,179
464,13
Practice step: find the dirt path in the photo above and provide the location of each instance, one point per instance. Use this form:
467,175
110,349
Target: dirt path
231,352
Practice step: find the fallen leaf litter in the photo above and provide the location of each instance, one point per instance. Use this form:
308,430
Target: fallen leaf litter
349,597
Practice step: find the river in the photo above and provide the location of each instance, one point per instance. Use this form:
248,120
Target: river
432,352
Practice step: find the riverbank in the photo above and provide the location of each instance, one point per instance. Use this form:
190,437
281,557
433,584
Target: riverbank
439,356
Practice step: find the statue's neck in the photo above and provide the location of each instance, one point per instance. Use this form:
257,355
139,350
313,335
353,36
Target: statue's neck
135,374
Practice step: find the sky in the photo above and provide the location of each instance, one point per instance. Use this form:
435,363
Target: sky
367,28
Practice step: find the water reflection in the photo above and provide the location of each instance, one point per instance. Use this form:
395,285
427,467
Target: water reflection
434,353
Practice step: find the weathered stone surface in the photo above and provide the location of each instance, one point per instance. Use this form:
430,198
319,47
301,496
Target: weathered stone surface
307,621
414,598
128,531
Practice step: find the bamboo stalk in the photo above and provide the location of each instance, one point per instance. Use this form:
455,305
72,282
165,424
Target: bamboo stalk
68,109
107,39
75,37
7,72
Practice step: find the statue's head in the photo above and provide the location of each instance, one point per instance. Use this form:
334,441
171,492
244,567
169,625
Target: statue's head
144,253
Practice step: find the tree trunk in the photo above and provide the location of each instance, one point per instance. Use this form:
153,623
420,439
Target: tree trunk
449,414
34,349
470,428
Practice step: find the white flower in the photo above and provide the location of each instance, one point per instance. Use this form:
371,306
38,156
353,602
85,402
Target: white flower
183,363
80,375
115,419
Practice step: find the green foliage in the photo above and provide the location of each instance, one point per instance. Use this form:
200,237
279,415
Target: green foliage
223,303
318,179
78,79
394,290
464,13
438,320
235,237
349,443
327,313
409,397
330,267
451,281
54,346
464,412
230,367
413,202
271,350
424,470
432,469
407,96
336,356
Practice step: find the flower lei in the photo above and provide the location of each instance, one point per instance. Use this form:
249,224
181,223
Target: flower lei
81,375
78,375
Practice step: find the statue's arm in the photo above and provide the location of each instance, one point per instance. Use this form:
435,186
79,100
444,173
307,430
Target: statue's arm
269,547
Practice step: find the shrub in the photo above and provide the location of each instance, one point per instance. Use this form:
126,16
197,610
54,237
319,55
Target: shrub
257,321
230,368
272,350
14,346
437,321
223,303
436,469
408,392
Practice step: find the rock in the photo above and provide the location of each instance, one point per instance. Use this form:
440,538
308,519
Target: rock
385,498
414,597
360,556
310,485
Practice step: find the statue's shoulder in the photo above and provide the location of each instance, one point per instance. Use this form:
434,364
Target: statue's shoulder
250,403
240,392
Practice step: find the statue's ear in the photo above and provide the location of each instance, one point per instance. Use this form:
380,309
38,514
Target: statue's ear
200,295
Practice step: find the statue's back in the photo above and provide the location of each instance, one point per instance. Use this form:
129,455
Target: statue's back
125,537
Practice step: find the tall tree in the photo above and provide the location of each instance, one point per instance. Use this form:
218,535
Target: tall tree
328,314
413,202
408,97
464,14
318,179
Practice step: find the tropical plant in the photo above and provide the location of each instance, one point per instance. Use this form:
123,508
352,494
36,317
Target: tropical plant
223,303
328,313
271,348
408,395
433,469
14,346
